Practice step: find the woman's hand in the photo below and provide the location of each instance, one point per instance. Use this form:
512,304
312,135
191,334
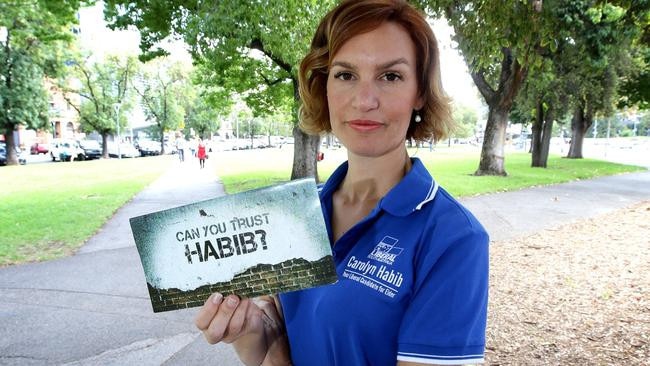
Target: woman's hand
254,327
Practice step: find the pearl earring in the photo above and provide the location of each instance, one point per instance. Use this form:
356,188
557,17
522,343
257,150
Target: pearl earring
418,119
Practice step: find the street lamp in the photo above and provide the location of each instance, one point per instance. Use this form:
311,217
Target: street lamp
117,123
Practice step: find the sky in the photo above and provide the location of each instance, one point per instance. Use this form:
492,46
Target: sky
455,78
96,36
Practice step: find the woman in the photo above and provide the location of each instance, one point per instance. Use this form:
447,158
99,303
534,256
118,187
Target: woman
412,262
201,153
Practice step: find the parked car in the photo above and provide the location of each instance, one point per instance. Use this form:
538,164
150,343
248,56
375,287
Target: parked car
66,150
22,160
126,150
91,148
39,148
149,147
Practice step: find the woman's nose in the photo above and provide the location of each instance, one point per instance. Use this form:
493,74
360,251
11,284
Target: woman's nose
366,97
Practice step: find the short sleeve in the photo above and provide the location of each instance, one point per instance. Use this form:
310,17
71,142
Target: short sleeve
446,318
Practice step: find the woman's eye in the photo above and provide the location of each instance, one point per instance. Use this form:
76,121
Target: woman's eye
343,75
392,76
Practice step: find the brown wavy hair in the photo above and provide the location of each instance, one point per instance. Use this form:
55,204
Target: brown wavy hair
354,17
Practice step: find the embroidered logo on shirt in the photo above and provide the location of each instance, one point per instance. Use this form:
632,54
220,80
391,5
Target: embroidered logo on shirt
386,251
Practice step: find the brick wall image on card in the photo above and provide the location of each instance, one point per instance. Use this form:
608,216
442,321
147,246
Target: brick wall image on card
262,279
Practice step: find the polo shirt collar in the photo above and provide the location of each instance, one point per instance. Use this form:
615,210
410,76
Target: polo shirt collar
410,194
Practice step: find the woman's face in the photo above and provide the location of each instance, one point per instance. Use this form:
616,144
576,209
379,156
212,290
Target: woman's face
372,91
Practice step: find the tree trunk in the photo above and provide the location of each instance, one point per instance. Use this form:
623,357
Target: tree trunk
162,144
500,102
536,137
580,123
10,143
305,151
493,140
547,133
543,128
305,147
105,145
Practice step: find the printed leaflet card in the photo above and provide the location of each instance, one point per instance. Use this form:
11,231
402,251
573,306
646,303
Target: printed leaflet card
259,242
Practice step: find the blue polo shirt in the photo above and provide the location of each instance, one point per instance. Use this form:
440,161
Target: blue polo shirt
413,283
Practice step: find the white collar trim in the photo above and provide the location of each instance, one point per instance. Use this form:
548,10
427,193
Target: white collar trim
430,196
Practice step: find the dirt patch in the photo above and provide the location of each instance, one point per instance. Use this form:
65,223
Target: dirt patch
578,294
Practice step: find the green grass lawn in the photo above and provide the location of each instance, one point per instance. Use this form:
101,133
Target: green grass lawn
452,167
49,210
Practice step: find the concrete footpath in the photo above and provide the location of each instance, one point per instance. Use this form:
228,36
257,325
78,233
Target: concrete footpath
93,308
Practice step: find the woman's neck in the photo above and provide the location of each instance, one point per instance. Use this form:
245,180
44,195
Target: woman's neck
369,179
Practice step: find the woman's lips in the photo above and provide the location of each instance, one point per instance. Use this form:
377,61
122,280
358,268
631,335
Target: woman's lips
364,125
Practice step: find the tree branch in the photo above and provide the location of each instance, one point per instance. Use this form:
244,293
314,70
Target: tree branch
271,83
257,44
93,97
67,99
483,86
511,77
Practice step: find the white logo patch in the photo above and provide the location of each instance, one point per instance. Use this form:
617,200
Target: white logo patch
386,251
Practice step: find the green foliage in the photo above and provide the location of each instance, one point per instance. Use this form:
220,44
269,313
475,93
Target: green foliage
202,117
484,28
23,99
102,86
249,48
165,91
34,36
500,41
466,119
600,51
635,84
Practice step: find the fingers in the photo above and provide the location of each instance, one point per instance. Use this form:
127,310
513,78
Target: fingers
208,311
222,319
216,331
237,324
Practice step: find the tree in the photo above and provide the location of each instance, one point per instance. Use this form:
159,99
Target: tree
635,85
207,106
163,90
466,119
504,44
603,34
22,95
542,99
250,48
500,42
106,94
202,116
34,35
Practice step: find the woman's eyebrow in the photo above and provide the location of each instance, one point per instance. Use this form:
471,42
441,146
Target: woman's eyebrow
385,65
392,63
343,64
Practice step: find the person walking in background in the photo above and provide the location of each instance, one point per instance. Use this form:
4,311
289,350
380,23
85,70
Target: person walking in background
180,148
201,153
372,78
192,146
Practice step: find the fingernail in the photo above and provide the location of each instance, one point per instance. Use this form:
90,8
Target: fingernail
232,301
216,298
